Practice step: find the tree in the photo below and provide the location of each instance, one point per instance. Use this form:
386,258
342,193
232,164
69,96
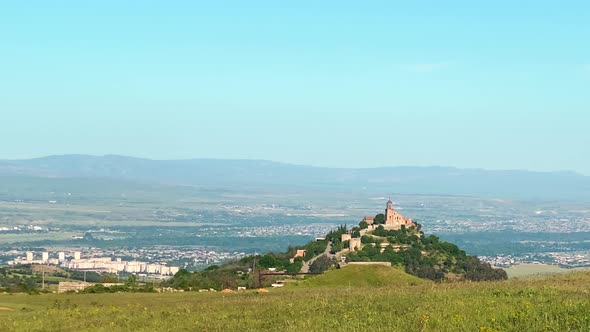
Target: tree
181,279
182,273
85,276
380,231
337,246
295,267
108,279
475,270
268,261
371,251
379,219
363,225
367,239
131,281
321,264
315,248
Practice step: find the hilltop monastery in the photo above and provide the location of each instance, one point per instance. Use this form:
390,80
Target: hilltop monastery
393,221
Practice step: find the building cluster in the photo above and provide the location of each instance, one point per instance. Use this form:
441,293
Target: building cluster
108,265
501,260
96,264
314,229
511,223
22,228
571,259
393,221
30,258
183,257
564,259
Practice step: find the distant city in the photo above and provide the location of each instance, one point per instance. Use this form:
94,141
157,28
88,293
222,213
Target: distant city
567,260
94,263
155,231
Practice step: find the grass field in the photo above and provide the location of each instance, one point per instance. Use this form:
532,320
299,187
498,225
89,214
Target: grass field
555,303
528,270
7,239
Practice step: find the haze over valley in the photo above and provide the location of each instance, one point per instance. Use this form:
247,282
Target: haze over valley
224,209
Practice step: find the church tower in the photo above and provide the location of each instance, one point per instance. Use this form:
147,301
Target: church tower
389,213
394,220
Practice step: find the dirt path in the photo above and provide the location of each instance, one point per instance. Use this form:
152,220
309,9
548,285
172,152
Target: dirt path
6,309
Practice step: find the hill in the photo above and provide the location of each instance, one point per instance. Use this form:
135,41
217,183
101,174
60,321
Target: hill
267,175
407,249
364,276
558,303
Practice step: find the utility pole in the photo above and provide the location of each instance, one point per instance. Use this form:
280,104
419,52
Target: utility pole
42,276
84,276
254,272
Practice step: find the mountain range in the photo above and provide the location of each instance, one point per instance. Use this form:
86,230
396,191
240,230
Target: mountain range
275,176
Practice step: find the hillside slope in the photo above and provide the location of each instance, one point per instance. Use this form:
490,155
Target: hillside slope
559,303
371,276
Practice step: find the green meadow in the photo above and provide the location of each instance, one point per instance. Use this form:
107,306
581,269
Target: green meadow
354,298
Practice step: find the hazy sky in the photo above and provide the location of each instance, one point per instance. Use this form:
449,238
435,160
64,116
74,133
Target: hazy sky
330,83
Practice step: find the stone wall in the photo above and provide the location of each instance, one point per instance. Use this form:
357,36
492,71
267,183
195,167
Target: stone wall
67,286
355,244
76,286
370,263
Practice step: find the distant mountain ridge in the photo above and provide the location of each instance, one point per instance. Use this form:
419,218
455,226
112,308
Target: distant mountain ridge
268,174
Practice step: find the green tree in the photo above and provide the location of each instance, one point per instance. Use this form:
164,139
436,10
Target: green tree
379,219
367,239
268,261
108,279
294,267
321,264
131,281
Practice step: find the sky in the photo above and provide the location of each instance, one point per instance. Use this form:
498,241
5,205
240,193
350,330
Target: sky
470,84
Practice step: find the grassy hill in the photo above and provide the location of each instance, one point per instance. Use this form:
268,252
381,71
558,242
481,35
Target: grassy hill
556,303
371,276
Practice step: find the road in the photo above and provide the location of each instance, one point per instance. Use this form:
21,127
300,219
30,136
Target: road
306,265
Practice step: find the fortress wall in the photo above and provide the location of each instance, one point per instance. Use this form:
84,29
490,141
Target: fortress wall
370,263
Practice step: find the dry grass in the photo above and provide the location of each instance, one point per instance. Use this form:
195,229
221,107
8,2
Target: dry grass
527,270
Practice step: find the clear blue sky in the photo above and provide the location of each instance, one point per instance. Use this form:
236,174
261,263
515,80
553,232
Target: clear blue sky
505,85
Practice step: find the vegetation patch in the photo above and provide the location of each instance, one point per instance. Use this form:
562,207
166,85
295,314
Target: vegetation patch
364,276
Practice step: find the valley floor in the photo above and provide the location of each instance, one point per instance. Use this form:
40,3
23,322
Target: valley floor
529,269
555,303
